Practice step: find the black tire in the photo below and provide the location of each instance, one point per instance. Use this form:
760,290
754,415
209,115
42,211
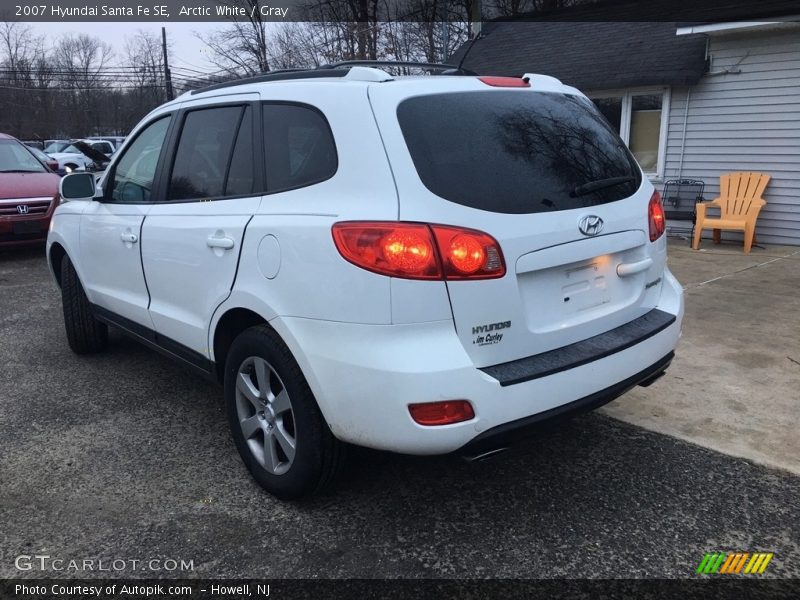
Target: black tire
318,455
85,334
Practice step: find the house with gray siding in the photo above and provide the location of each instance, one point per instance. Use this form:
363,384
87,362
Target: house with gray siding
692,101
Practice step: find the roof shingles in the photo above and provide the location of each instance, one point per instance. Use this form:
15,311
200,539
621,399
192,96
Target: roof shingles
589,55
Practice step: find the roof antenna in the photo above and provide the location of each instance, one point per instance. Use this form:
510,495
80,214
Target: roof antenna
471,44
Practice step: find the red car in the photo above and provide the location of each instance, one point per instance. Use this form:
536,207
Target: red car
28,195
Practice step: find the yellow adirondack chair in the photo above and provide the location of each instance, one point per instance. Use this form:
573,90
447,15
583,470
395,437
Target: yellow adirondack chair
739,203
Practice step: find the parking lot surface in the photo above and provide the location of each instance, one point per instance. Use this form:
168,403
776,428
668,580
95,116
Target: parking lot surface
125,455
735,382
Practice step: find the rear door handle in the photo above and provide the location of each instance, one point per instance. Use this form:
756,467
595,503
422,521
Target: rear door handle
625,269
129,237
217,241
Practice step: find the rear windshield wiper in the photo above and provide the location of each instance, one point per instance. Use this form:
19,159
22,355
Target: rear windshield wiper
600,184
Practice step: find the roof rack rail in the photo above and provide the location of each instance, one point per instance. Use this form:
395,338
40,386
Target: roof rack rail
338,69
282,75
445,68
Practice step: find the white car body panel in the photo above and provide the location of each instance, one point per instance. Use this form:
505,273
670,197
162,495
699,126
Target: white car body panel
111,267
66,232
188,271
118,288
187,278
313,280
370,345
510,298
70,158
80,160
366,403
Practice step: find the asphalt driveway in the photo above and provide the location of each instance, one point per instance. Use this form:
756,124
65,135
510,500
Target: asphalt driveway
125,455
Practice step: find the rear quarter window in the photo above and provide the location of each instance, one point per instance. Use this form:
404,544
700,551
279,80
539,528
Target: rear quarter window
516,151
299,146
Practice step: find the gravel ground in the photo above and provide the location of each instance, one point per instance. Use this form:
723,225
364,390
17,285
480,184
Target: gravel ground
125,455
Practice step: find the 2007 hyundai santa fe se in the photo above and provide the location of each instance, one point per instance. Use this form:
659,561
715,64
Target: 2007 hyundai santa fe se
415,264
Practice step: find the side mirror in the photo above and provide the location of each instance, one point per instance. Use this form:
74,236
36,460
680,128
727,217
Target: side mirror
77,186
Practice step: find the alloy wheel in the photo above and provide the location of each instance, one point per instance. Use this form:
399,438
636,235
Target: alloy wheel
265,415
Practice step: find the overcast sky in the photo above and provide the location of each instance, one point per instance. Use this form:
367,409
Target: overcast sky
187,50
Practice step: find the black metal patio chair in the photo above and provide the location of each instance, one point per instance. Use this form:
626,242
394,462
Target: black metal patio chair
679,199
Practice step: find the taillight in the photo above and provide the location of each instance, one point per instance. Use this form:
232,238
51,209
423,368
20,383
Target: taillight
395,249
419,250
658,222
505,81
441,413
468,254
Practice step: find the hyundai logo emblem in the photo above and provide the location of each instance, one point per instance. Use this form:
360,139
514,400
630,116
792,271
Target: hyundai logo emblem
22,209
590,225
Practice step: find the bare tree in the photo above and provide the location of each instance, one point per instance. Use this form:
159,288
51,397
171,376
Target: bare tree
19,46
146,64
418,30
143,75
348,29
425,30
295,46
19,53
240,48
513,8
80,61
74,89
335,30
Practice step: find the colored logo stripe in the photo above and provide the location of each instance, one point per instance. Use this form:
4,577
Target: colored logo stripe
711,563
758,563
725,563
734,562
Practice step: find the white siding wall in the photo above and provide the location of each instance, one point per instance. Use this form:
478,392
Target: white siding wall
748,121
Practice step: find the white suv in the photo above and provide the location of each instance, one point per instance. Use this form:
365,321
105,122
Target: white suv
418,264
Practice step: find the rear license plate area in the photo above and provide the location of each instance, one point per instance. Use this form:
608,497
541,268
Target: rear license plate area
585,286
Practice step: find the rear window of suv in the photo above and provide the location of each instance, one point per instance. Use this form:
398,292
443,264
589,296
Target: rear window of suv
516,152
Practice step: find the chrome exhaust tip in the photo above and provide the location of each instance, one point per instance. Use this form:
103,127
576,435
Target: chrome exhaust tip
484,455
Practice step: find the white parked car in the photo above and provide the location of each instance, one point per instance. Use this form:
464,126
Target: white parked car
70,158
423,265
116,141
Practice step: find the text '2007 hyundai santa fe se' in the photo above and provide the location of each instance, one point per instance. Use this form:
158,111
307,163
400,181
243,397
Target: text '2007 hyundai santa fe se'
415,264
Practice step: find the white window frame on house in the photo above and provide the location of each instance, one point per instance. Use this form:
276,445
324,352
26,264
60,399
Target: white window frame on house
625,119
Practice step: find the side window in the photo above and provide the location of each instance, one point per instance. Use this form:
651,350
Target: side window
206,155
135,171
241,176
299,147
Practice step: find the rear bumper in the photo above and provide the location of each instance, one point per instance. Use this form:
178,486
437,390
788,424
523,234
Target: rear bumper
583,352
508,433
365,376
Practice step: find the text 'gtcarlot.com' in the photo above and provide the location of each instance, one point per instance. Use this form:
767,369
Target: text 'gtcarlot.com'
45,562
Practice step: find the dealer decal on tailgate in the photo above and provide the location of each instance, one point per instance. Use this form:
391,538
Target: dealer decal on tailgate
484,336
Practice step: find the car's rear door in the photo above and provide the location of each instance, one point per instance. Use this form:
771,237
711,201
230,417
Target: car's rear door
192,237
540,171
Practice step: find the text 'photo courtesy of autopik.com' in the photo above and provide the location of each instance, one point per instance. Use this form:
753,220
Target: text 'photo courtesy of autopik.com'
448,299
